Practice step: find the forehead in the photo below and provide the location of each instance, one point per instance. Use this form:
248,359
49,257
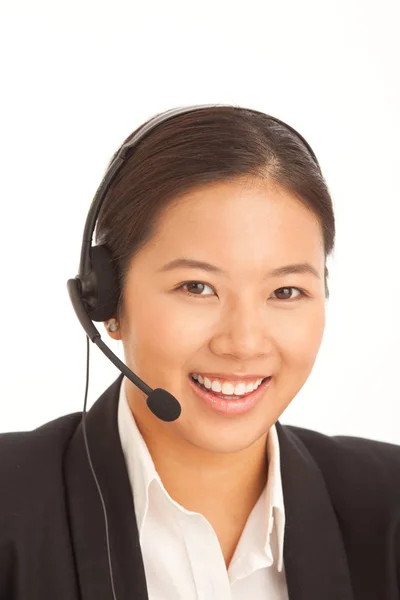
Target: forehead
238,222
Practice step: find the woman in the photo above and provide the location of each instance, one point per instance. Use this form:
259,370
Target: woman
219,224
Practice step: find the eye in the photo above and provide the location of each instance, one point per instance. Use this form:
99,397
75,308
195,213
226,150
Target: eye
286,290
195,288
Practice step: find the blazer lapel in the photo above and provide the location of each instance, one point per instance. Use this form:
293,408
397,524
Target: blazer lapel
86,513
314,555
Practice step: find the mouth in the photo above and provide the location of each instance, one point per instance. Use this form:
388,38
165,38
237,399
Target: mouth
229,405
246,390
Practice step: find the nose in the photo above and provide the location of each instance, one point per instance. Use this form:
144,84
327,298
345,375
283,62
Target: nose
242,333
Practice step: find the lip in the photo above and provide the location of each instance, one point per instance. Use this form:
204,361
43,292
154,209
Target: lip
230,407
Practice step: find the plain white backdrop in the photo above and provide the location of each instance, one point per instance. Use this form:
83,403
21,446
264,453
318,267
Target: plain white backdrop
77,77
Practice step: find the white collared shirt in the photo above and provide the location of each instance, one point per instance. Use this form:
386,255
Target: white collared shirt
181,552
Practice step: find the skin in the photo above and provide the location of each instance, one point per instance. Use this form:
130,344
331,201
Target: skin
209,463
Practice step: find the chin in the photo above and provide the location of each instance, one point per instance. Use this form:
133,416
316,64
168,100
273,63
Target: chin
226,440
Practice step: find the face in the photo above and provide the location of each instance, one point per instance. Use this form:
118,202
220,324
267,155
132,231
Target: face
241,319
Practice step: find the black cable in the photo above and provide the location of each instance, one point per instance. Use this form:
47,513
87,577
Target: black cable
93,471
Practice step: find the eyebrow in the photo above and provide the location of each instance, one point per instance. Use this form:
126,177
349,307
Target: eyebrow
188,263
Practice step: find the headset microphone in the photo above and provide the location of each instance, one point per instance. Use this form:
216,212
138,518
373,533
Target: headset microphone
161,403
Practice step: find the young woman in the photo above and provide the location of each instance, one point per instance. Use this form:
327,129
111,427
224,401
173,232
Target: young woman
219,224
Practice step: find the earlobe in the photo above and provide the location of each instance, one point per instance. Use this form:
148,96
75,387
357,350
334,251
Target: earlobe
112,327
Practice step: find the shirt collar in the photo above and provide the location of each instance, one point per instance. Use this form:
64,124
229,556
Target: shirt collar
142,473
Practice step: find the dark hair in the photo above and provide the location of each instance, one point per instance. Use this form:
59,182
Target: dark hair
220,143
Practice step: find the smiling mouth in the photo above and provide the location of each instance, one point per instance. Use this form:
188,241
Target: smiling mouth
224,396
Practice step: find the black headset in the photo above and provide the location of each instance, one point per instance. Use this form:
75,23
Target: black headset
94,292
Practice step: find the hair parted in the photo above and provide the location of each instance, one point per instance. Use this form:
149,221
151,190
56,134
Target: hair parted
213,144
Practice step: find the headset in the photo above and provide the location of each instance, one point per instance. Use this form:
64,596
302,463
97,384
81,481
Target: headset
94,292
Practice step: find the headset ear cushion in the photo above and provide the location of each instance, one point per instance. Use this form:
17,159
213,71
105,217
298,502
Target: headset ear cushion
104,304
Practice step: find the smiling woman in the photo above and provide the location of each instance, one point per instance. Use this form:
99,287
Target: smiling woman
219,225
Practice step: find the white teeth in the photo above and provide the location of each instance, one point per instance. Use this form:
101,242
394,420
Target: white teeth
250,387
207,383
240,389
216,386
228,388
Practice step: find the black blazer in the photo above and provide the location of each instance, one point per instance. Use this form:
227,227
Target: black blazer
342,502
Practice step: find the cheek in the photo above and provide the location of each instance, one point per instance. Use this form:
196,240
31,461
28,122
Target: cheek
300,338
165,328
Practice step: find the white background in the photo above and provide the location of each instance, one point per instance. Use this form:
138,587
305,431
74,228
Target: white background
77,77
